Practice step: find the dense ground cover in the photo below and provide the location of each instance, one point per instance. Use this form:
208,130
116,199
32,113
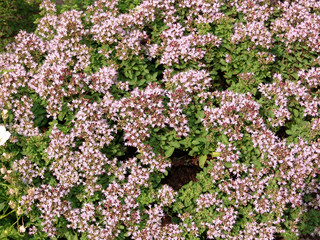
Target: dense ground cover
162,120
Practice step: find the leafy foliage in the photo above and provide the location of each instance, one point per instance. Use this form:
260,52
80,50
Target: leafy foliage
16,15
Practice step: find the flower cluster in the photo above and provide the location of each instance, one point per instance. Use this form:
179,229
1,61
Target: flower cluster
177,46
255,31
281,91
24,117
265,58
27,170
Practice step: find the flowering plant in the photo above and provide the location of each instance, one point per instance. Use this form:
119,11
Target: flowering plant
162,120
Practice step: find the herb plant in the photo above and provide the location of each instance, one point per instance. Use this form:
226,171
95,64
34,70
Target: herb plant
162,120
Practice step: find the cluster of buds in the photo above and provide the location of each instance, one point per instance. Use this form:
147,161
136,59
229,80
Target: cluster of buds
4,114
8,175
265,57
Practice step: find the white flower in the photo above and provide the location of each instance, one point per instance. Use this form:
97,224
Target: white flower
4,135
22,229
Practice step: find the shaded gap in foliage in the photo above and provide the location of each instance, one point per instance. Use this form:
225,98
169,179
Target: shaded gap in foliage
219,82
277,236
166,219
130,152
183,170
78,142
281,133
223,80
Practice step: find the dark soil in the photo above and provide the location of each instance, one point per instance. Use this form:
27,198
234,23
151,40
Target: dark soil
179,176
184,169
223,81
167,219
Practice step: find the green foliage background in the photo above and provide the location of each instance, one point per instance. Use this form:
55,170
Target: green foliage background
16,15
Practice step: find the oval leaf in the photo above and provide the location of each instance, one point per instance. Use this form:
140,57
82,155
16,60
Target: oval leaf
202,160
169,151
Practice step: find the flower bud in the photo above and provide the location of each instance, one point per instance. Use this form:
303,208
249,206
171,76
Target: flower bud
22,229
3,170
11,191
6,74
12,204
7,178
4,114
6,155
9,105
19,211
30,191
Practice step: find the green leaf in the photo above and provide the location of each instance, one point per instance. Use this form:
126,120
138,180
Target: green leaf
295,112
130,75
83,236
175,144
205,151
228,164
253,91
202,160
2,205
194,150
169,152
200,115
224,139
289,132
228,75
155,75
195,142
61,115
215,154
70,236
